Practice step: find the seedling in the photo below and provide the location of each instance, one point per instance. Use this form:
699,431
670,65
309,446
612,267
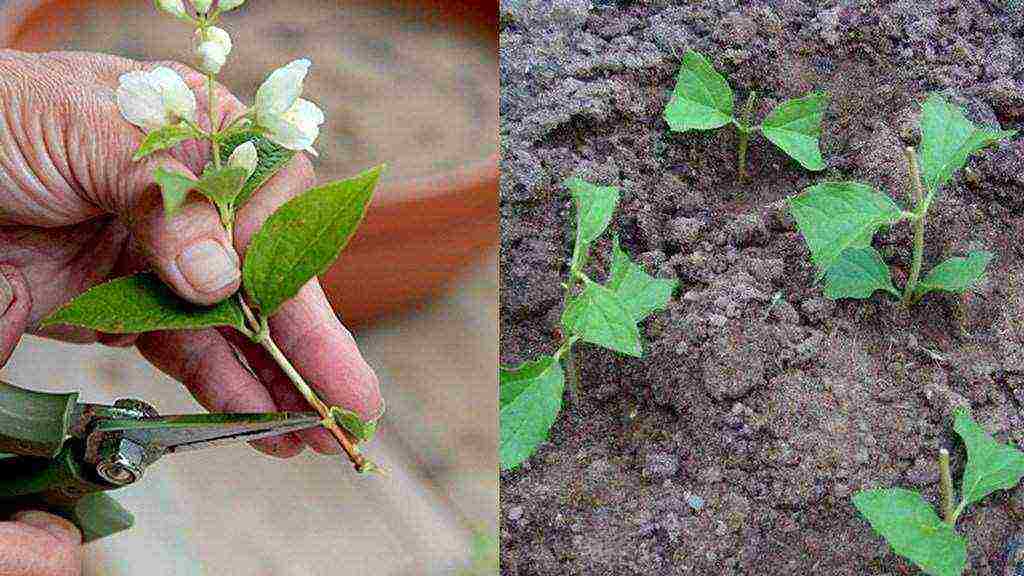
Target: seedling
911,526
839,219
607,315
703,100
296,243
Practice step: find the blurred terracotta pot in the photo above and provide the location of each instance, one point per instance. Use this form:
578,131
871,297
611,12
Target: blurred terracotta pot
419,233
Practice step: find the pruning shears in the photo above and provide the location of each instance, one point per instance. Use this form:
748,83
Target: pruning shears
62,456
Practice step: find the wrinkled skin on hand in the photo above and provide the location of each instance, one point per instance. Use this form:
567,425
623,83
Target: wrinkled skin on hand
75,211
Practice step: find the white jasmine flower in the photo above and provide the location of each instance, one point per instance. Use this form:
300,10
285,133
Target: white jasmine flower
202,6
290,121
245,156
152,100
174,7
212,47
226,5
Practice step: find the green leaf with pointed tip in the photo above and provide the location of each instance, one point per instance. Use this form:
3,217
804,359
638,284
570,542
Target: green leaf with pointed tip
834,216
957,274
795,126
142,303
597,316
529,400
640,293
303,238
164,138
595,206
174,188
990,466
702,99
222,185
271,159
948,138
362,430
858,273
913,530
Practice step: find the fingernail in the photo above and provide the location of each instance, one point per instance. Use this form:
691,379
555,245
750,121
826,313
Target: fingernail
57,526
208,267
6,294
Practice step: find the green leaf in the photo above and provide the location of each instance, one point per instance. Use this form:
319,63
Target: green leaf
174,188
702,99
272,158
990,466
222,185
948,138
595,206
795,125
530,398
957,274
913,530
164,138
858,273
597,316
142,303
303,238
640,293
834,216
362,430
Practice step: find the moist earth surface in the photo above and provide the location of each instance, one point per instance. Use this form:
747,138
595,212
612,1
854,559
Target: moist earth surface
759,407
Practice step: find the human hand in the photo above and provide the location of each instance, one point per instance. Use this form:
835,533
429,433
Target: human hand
75,211
39,544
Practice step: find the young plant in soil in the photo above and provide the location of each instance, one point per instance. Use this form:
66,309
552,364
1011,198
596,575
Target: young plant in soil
296,243
607,315
909,524
839,219
703,100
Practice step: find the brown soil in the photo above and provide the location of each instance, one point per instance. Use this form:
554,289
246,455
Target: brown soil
759,408
396,88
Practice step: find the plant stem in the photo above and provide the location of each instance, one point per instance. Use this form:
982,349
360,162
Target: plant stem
946,485
744,129
214,141
920,208
565,352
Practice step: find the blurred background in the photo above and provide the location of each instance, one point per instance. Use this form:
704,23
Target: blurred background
413,84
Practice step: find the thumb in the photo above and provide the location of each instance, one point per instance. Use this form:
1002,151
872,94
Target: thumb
39,544
15,305
189,250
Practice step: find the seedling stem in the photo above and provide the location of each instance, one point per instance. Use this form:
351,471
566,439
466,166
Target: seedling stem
920,209
946,485
743,126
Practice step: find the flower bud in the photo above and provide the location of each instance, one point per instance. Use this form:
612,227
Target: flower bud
175,8
202,6
211,46
155,99
226,5
290,121
244,156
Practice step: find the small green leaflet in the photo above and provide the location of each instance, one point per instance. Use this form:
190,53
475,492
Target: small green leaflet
957,274
174,188
858,273
362,430
990,466
702,99
302,238
833,216
948,138
272,158
595,206
222,185
639,292
795,125
597,316
530,398
164,138
913,530
142,303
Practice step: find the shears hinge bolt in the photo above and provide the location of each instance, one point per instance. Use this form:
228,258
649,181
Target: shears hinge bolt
122,463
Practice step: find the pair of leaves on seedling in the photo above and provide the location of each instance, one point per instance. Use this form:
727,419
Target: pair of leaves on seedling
703,100
839,219
608,315
297,242
911,526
